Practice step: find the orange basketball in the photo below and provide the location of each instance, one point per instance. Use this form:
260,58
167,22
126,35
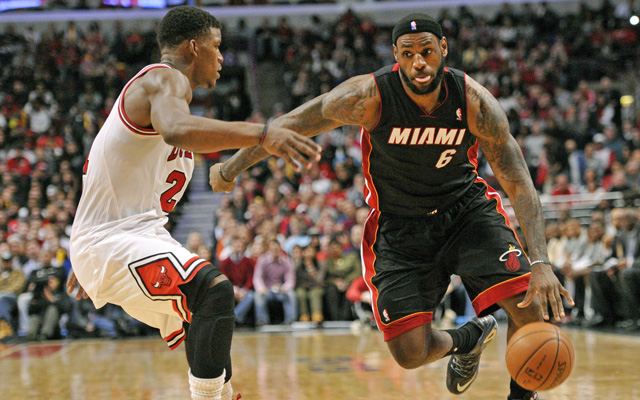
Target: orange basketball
539,356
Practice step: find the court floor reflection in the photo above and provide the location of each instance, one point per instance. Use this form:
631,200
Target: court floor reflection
309,365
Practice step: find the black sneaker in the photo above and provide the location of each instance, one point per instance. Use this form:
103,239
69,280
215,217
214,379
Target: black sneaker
463,368
528,396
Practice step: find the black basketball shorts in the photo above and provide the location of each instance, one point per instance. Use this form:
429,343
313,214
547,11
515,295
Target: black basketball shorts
408,260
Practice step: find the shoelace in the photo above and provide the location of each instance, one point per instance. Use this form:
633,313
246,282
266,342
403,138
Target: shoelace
462,365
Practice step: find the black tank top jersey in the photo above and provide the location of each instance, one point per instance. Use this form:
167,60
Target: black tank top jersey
415,162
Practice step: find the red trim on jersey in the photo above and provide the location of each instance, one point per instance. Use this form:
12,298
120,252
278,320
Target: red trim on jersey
405,324
173,337
370,193
123,115
501,291
466,104
396,67
369,258
193,273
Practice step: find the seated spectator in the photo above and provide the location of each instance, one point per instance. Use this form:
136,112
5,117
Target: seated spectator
11,284
309,284
50,301
87,321
579,265
340,270
562,186
274,279
297,234
239,269
36,281
359,295
609,303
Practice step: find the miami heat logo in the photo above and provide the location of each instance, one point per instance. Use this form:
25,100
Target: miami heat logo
162,278
510,258
414,26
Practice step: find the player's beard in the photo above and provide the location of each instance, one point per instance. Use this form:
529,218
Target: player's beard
432,86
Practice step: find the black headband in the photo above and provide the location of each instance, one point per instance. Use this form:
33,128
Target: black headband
414,23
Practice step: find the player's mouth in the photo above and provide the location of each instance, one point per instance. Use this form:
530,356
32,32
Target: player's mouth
423,79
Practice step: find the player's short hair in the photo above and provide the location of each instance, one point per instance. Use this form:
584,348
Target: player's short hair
184,23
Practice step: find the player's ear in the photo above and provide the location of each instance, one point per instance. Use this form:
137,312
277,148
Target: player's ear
395,52
193,47
444,47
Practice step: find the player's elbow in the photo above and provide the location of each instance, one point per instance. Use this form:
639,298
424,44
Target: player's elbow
173,133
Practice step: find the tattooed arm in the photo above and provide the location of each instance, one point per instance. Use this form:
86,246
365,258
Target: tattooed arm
488,122
354,102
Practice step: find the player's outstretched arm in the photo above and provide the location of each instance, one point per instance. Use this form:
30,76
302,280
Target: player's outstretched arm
353,102
169,94
489,124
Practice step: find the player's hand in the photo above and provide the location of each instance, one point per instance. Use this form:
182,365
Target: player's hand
218,184
72,283
295,149
545,283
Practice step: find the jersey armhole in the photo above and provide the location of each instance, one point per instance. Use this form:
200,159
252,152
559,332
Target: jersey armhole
381,104
123,115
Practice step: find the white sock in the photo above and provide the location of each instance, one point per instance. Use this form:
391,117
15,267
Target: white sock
206,389
227,391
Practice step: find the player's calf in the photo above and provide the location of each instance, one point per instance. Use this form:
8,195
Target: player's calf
208,341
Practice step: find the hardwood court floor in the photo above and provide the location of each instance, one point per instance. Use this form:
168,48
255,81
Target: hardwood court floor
310,365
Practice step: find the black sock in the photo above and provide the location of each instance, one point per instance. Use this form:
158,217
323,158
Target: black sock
464,338
517,392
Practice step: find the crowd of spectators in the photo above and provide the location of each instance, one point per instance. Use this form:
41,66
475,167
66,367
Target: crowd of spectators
560,79
295,238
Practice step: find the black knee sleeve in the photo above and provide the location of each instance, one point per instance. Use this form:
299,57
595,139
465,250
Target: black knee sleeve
208,342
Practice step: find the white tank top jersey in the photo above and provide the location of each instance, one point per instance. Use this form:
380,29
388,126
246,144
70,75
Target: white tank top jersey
132,178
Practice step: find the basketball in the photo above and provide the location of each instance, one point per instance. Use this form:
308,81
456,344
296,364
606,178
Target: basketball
539,356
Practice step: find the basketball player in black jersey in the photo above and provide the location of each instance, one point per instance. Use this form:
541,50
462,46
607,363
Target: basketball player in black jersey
431,216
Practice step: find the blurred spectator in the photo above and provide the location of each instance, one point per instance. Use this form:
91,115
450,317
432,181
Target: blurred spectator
240,269
579,265
340,270
35,285
49,303
12,282
608,300
359,295
274,279
309,284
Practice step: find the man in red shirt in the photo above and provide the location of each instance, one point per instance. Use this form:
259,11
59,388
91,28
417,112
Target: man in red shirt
239,269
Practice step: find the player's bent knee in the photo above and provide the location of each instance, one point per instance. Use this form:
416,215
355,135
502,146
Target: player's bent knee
410,361
218,300
410,351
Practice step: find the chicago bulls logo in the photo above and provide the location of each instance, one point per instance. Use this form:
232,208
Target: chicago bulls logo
510,258
159,276
162,278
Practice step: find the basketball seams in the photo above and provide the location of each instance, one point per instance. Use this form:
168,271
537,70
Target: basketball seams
524,336
555,360
524,364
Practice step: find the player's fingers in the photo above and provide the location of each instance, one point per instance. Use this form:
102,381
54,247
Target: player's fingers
71,283
285,155
528,297
553,302
307,154
545,307
567,296
308,147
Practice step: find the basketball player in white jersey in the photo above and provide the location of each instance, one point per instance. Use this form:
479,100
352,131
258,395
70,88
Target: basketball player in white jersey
136,172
